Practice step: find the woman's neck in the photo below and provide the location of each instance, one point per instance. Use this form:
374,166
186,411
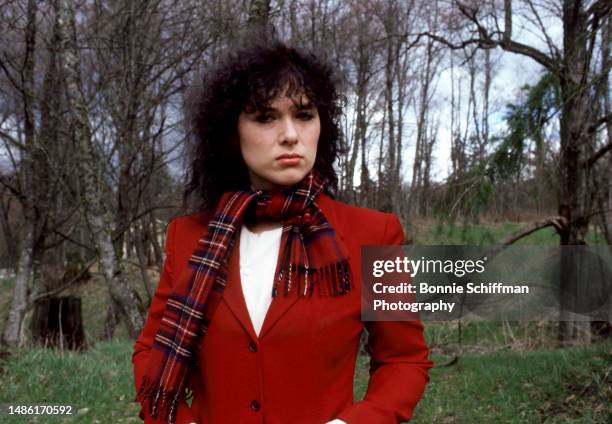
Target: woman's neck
260,227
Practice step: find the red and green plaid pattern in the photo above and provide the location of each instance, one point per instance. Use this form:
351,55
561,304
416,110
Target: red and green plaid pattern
311,256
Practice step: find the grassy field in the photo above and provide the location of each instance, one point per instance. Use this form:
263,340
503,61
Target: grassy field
561,386
505,372
97,383
432,233
512,387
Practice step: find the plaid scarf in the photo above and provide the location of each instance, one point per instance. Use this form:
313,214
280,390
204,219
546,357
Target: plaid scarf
311,256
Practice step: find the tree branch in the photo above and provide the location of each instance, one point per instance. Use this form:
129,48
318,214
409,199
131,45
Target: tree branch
12,140
119,231
601,121
600,8
597,155
558,222
76,242
525,50
63,286
487,41
507,37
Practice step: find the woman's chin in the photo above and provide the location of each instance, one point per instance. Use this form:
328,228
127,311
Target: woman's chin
289,178
278,180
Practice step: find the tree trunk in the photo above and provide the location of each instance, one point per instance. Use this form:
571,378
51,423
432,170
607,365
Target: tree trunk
7,232
574,141
12,332
417,185
605,193
259,14
361,123
126,298
110,323
58,322
389,191
137,237
157,249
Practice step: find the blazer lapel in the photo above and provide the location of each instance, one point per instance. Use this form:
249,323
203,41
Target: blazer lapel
234,298
278,307
233,295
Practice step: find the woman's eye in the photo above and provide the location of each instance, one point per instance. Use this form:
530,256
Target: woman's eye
263,118
305,116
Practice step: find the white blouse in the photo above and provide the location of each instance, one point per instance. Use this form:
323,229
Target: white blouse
258,255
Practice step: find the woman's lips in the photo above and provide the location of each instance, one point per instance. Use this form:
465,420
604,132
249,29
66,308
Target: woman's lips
289,160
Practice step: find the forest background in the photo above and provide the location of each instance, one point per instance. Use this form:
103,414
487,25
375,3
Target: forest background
478,122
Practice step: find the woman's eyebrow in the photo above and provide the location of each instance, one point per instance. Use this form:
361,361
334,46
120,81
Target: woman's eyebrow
303,105
296,106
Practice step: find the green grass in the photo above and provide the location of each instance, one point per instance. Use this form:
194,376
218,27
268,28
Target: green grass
564,386
558,386
97,382
490,336
433,233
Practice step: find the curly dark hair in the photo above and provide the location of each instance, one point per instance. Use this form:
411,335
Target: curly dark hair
250,78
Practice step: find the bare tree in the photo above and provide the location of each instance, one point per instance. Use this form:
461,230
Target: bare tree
571,64
426,129
12,330
96,213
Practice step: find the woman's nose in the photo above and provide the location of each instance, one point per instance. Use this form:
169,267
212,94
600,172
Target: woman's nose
289,132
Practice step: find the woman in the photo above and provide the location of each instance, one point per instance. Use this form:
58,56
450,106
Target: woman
257,312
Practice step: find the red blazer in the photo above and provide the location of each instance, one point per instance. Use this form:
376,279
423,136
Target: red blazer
300,368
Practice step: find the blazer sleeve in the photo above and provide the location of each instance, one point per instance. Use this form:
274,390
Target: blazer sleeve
143,345
398,365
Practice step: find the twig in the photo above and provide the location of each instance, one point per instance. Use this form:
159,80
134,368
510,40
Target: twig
590,161
452,361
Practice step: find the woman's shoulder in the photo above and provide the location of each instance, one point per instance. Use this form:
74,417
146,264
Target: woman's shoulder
344,209
189,222
369,224
366,223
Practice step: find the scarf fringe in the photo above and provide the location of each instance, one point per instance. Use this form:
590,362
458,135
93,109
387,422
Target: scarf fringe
157,401
331,280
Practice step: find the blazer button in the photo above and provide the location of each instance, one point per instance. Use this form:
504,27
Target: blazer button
252,346
255,406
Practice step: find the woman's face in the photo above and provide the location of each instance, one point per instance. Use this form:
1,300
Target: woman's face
279,143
